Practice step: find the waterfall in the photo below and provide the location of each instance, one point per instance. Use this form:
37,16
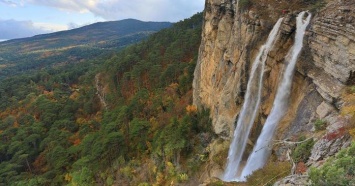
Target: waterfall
249,109
262,150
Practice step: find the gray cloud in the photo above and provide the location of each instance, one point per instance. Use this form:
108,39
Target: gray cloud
11,29
148,10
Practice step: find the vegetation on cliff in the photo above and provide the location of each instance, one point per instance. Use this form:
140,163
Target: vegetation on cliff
338,170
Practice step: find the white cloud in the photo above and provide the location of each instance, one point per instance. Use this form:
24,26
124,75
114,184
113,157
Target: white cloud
50,27
9,3
11,29
148,10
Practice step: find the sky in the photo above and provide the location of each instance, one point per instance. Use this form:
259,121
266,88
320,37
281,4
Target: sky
25,18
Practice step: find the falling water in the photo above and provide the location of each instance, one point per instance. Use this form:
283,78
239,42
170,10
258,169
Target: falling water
262,150
249,109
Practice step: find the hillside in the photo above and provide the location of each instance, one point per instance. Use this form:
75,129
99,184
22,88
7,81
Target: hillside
122,119
72,46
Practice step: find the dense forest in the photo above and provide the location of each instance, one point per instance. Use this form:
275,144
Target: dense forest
125,118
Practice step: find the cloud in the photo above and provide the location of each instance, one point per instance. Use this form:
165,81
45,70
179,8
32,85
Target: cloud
148,10
50,27
11,29
72,25
9,3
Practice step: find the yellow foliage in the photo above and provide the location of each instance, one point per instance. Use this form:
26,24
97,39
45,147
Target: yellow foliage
174,86
352,132
81,121
160,179
154,123
16,125
191,109
74,95
349,105
169,164
348,110
68,177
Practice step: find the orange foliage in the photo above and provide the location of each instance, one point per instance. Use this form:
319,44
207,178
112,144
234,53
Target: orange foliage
301,168
191,109
74,95
76,142
75,139
40,163
16,125
46,54
49,93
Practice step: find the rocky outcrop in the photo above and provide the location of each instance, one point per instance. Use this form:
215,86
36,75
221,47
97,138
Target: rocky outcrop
328,147
332,40
231,38
293,180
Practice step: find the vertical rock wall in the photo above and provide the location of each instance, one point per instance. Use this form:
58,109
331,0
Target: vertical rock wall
230,40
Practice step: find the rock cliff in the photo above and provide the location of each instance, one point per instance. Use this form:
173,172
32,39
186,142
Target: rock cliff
232,34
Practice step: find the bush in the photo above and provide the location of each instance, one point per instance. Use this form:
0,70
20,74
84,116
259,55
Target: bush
352,89
339,170
183,177
320,124
302,151
244,4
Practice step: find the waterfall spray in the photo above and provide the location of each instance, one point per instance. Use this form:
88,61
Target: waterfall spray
249,109
262,150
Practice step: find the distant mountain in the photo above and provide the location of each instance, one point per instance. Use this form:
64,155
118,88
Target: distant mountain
60,48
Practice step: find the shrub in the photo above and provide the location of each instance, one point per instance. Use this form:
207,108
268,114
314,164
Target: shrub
143,184
183,177
352,89
244,4
320,124
317,6
302,151
336,171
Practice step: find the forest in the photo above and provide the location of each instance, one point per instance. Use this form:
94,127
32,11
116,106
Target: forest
123,118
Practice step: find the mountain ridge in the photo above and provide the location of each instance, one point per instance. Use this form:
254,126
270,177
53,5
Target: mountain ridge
73,45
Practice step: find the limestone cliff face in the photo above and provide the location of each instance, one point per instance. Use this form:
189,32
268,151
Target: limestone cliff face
231,38
229,42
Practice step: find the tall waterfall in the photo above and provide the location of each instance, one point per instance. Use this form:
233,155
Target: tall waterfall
262,150
249,109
